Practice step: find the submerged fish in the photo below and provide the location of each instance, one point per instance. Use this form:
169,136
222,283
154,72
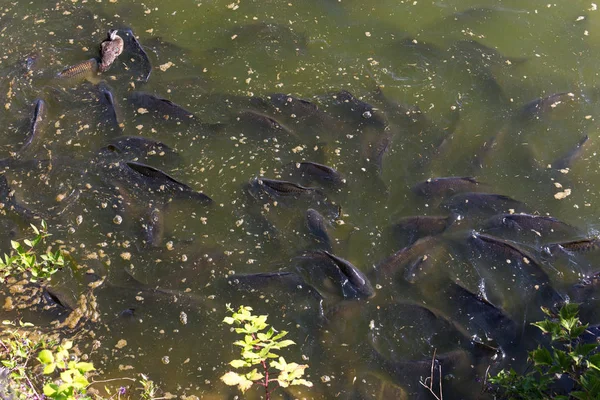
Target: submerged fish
353,283
37,120
154,227
391,265
311,171
282,188
360,111
576,246
9,203
83,70
263,124
107,100
416,227
317,227
536,108
288,281
442,187
161,107
147,177
541,225
568,159
480,202
477,52
137,55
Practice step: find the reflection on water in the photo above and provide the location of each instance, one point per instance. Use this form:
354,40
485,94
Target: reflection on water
317,129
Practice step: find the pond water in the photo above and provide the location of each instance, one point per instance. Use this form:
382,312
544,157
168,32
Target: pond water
390,94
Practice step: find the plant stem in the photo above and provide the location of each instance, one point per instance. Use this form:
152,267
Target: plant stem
266,368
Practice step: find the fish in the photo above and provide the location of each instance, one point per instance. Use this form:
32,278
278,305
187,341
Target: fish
391,265
107,100
568,159
138,146
448,186
508,250
477,310
361,112
9,203
480,202
37,121
158,181
110,49
540,224
377,150
154,227
353,283
317,227
540,106
415,227
288,281
586,245
310,171
282,188
136,52
263,124
300,108
477,52
83,70
161,107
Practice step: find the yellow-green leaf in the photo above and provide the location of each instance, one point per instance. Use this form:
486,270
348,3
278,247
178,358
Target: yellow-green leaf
84,367
50,389
237,363
232,379
48,369
46,357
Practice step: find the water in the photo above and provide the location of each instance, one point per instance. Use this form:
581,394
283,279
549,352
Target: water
212,64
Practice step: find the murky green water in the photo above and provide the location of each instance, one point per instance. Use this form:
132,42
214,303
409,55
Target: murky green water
211,57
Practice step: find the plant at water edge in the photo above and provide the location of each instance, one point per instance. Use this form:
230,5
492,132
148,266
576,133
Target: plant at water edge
257,346
17,351
568,357
73,374
23,258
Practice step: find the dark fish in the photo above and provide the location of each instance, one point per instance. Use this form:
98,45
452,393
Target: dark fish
576,246
82,70
476,310
323,174
163,108
110,49
377,151
154,227
413,228
360,111
107,100
317,227
141,62
539,224
390,266
283,188
477,52
481,202
507,250
442,187
60,297
9,203
288,281
138,146
161,182
263,124
289,105
540,106
353,275
38,119
568,159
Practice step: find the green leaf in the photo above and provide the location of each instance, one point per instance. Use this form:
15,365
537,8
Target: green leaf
50,389
232,379
594,362
15,245
84,367
579,395
49,368
237,363
254,375
229,320
541,356
562,359
568,311
302,382
46,357
286,343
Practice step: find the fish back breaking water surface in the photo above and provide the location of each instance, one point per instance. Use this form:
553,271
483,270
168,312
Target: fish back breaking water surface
367,164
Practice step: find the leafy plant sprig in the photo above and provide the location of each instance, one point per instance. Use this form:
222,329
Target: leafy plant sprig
569,356
257,348
23,258
73,374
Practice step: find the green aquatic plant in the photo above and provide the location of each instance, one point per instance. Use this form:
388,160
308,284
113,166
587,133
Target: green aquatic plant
257,349
23,258
568,359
